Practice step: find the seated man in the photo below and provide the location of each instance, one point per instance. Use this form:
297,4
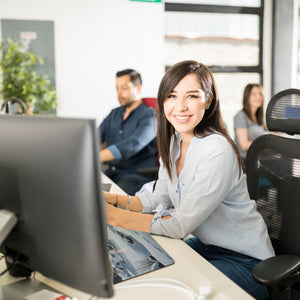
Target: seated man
129,135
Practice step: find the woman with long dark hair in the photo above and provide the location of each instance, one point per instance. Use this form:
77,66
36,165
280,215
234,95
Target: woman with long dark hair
201,189
248,123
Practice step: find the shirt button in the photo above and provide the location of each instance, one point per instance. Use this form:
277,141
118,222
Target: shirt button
113,168
120,131
176,191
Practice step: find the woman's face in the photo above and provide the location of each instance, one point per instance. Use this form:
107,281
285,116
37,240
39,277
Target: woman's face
256,97
185,105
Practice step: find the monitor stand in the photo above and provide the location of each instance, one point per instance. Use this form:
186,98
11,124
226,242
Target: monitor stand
24,289
28,289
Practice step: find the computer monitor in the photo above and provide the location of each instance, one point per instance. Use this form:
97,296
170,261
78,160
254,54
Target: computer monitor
50,179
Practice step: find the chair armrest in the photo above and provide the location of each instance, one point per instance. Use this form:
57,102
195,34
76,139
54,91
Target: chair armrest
150,171
278,270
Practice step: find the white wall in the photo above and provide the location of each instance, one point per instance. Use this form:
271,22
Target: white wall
93,40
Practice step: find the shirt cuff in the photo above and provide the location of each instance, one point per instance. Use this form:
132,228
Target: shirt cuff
115,152
156,222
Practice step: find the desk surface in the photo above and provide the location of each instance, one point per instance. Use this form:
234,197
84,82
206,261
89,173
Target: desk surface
189,268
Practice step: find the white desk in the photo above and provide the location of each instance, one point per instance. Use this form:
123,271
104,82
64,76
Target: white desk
189,268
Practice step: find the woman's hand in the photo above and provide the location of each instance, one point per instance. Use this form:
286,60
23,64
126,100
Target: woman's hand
109,197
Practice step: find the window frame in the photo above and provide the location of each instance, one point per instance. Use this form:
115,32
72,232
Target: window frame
205,8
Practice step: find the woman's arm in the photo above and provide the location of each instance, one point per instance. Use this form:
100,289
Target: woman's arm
242,136
130,218
132,203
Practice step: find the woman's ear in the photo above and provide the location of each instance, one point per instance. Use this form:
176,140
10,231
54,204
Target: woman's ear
208,101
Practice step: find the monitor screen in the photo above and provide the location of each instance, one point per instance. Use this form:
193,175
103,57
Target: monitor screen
50,179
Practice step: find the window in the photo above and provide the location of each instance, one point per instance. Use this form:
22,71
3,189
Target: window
226,35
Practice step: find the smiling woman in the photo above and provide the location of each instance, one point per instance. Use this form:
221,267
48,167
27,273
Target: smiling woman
185,106
201,178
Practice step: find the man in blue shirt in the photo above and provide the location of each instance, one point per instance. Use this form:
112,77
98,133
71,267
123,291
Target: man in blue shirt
129,135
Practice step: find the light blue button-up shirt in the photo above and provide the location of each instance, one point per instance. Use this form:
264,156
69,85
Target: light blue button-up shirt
210,199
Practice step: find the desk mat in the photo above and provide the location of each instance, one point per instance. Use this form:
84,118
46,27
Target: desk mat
133,253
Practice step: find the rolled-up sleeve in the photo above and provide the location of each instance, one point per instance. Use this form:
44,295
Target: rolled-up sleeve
115,152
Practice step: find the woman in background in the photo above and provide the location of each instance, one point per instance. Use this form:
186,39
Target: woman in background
248,123
201,179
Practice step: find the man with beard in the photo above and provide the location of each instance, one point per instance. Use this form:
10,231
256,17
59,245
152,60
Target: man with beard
129,135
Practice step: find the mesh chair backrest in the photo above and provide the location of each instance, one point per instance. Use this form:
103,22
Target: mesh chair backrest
273,172
283,112
273,178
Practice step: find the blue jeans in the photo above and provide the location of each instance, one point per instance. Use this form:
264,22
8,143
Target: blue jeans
234,265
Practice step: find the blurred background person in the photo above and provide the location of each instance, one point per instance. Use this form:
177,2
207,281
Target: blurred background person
129,135
249,123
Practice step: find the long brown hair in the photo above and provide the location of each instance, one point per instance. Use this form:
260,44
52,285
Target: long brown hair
212,120
246,105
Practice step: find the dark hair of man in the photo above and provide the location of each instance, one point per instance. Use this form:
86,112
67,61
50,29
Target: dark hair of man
246,105
135,77
212,121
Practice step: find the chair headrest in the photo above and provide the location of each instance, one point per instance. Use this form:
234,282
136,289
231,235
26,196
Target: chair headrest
283,112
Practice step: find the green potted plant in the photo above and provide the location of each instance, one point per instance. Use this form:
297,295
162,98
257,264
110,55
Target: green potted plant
20,80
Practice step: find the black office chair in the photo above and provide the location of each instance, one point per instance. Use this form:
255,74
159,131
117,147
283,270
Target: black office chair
273,179
14,105
151,172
